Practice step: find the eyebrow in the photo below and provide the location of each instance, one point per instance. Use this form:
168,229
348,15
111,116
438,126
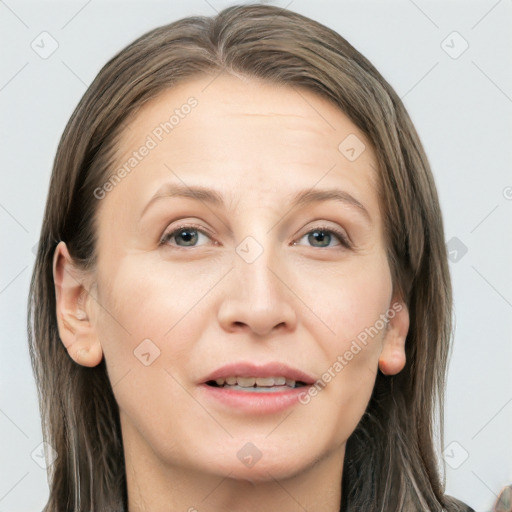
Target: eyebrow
214,198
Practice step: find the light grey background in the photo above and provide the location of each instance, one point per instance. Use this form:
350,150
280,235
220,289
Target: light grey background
461,104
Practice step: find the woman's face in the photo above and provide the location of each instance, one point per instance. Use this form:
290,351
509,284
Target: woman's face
244,246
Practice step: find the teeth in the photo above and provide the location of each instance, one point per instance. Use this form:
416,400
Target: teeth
246,382
249,382
264,381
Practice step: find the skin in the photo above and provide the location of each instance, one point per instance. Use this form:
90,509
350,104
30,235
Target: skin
204,306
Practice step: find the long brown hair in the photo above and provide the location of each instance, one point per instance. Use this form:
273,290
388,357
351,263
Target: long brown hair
390,460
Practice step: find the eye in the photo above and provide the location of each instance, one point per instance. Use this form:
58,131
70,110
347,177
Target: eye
189,235
184,236
323,236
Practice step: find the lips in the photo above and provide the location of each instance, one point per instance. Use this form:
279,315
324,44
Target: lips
256,383
249,376
254,389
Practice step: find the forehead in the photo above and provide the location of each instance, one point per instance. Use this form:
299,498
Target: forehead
244,134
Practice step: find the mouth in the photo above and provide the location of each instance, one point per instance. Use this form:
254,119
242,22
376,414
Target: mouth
248,388
256,384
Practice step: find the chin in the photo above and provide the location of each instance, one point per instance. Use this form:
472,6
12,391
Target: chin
260,460
262,472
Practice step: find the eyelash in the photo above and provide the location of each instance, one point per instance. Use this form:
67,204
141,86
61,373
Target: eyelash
343,239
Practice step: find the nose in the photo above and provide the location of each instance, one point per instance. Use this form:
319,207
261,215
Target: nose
258,299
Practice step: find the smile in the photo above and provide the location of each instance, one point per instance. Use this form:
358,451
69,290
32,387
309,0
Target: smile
255,389
256,384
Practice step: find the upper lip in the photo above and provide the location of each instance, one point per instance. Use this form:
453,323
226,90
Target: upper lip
272,369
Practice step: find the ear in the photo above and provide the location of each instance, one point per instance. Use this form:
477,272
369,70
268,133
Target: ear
73,310
392,357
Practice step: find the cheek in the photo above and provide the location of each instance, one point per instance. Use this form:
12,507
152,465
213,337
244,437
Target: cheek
147,297
151,314
352,309
147,325
346,303
139,312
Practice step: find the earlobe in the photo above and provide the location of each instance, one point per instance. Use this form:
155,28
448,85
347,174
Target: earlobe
392,358
72,303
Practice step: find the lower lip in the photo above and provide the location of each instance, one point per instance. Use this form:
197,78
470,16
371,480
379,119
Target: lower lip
255,402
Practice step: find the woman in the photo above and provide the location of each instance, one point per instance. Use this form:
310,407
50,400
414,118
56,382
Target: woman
241,299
